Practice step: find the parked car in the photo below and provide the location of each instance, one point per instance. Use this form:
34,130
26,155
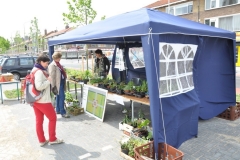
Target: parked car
18,65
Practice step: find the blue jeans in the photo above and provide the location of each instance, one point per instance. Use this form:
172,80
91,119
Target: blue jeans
60,99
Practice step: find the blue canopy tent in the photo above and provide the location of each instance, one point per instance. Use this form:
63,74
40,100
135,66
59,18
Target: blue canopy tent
189,66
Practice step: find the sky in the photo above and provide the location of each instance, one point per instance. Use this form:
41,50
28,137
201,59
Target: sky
15,15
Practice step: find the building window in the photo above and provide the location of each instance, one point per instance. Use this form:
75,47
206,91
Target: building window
180,9
227,2
231,23
211,22
207,22
211,4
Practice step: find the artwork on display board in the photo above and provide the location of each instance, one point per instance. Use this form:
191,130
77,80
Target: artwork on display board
94,101
119,61
136,57
176,63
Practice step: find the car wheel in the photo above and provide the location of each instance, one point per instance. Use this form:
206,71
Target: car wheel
16,76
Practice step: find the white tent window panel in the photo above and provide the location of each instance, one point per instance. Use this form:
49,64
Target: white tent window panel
175,62
136,57
119,61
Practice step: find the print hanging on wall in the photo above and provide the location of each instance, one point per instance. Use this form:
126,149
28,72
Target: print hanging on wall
176,63
136,57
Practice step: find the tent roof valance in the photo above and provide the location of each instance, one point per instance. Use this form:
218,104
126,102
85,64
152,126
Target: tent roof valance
131,26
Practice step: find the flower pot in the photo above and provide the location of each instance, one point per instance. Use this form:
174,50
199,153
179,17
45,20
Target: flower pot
69,104
125,151
120,126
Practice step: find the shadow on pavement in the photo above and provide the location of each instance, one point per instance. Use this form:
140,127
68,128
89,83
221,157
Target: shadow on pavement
76,152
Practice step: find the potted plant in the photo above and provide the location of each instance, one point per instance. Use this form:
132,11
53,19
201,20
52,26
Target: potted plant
129,89
137,92
79,76
86,75
68,99
144,87
124,148
106,83
120,87
75,110
112,86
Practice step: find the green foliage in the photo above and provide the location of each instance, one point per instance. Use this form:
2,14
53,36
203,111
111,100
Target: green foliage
143,123
237,97
113,84
72,85
95,80
103,17
106,81
126,88
144,87
130,85
17,39
12,93
68,97
87,74
35,33
124,145
138,88
126,119
4,45
121,86
133,143
80,12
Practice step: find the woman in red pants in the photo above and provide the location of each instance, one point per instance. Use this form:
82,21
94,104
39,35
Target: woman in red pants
44,105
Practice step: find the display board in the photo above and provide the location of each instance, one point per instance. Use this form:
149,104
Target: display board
94,101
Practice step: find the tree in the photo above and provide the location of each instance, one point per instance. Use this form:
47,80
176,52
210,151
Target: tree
35,34
4,45
103,17
80,12
17,39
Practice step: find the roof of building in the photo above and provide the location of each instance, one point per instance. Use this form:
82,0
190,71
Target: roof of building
59,32
162,3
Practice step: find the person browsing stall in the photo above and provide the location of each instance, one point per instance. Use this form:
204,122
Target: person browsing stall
58,84
44,105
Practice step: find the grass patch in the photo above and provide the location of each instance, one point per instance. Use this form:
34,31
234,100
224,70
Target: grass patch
72,85
238,97
11,94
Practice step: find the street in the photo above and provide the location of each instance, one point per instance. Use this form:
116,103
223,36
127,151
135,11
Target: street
76,63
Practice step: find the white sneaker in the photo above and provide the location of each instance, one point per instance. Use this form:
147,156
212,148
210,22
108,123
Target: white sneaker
57,141
43,143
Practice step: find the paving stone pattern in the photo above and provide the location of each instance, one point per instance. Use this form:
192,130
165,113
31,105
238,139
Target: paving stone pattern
84,136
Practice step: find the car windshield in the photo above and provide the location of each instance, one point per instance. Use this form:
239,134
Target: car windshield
1,60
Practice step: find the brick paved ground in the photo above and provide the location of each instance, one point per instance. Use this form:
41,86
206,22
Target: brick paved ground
87,137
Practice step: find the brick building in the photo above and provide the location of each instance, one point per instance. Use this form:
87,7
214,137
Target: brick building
223,14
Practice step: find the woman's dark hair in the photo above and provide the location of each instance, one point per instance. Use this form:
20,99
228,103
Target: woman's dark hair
43,58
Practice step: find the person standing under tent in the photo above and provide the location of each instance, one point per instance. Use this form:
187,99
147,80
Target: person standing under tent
102,64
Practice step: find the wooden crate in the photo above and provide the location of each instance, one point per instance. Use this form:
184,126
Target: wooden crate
77,111
231,113
165,152
6,77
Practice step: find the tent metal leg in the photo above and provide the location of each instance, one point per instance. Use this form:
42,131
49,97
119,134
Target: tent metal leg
132,111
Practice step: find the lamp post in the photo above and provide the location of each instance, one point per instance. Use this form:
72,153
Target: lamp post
24,28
